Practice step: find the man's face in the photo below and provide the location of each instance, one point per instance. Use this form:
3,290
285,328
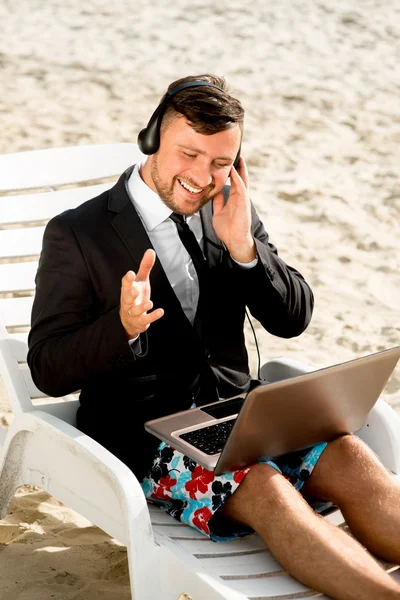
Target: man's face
190,168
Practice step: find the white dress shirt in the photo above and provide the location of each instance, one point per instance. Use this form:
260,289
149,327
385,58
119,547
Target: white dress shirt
163,234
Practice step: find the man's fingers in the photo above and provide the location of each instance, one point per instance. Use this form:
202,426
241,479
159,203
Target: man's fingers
240,176
243,172
128,296
136,311
127,280
154,316
147,263
218,203
141,320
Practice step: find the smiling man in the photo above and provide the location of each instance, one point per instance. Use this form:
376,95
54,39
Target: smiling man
140,303
181,161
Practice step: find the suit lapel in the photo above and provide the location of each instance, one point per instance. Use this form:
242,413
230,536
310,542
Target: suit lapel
126,221
129,227
213,247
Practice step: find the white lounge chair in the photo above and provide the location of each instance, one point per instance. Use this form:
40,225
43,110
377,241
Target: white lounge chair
43,447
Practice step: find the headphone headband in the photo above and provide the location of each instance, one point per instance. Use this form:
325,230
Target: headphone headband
149,137
189,84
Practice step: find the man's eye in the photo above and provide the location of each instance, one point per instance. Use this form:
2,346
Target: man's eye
223,166
189,155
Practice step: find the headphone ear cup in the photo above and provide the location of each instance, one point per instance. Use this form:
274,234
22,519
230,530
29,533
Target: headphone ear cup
142,142
149,138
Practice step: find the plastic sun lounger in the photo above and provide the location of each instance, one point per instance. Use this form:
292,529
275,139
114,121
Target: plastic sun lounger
44,448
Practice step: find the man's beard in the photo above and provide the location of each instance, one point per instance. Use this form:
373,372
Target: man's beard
166,191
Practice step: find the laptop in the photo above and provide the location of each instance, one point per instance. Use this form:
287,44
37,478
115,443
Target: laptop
280,417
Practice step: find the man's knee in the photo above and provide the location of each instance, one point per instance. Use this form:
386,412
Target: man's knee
348,449
344,461
264,490
349,453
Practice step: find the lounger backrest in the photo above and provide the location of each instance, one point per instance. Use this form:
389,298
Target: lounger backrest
34,187
55,167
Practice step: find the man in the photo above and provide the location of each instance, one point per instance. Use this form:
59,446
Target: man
171,335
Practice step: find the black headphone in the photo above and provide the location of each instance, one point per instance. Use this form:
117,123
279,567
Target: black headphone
149,138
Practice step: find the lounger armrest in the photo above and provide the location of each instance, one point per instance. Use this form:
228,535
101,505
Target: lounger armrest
284,368
382,433
73,467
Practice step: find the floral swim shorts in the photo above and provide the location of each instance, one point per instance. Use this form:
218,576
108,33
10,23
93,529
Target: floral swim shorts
193,494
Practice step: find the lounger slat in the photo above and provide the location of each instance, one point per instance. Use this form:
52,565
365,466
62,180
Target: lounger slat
19,350
160,517
34,392
63,409
28,208
275,586
181,532
60,166
18,277
19,337
270,587
17,243
252,565
336,518
16,312
205,547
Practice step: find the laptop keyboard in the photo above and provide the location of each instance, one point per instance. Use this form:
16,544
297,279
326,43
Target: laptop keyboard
211,439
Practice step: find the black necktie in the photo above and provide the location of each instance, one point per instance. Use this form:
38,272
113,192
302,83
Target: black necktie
188,239
205,384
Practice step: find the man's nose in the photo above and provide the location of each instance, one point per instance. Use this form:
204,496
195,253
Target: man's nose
201,175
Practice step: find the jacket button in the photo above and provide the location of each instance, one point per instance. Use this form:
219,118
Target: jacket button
271,273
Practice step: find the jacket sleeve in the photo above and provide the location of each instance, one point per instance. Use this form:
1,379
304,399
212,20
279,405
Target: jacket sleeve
277,295
70,341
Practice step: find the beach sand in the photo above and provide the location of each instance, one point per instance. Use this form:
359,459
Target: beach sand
320,85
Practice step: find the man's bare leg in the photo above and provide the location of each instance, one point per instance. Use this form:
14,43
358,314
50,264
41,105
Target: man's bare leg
350,474
310,548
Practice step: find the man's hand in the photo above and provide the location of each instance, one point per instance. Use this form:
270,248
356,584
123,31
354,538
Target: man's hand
232,221
135,299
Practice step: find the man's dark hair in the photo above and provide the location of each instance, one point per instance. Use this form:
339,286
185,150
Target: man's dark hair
207,109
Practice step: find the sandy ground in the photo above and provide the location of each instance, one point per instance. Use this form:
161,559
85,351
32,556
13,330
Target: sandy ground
320,84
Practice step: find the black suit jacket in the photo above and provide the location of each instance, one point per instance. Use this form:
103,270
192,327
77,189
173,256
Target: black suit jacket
77,341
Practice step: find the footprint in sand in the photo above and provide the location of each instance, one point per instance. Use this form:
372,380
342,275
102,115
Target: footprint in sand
9,532
63,578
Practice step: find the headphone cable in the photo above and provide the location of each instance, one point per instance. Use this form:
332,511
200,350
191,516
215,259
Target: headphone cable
256,343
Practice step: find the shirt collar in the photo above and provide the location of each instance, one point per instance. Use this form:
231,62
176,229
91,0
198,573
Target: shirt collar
151,208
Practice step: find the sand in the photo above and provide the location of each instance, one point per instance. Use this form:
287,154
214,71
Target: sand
320,85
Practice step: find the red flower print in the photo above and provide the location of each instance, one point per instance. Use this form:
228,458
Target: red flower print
201,516
238,476
163,490
201,478
167,482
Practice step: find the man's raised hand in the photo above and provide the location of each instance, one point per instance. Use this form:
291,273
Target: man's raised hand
135,298
232,221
